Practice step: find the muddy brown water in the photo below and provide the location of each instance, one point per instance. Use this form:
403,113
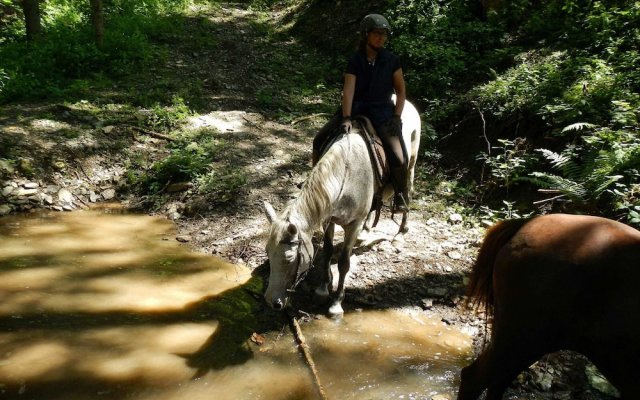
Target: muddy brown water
102,304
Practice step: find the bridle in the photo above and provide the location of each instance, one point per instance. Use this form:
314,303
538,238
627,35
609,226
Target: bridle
299,276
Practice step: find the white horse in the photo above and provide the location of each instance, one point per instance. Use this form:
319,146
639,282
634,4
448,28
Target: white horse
339,190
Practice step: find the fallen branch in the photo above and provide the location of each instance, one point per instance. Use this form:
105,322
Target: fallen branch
312,116
306,352
151,133
548,200
258,127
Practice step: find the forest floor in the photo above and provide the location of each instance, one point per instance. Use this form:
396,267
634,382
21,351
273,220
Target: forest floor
80,159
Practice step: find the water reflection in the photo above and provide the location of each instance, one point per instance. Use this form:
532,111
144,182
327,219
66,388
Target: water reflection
110,306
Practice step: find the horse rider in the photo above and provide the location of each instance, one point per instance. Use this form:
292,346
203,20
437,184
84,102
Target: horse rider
372,76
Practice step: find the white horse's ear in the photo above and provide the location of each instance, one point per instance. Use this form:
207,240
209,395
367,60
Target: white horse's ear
271,213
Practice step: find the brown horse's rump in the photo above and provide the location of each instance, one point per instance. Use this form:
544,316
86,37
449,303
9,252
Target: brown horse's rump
557,282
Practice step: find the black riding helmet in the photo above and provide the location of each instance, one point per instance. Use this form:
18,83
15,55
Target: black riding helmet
374,21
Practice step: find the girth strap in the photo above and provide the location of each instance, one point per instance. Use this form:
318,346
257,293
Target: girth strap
378,162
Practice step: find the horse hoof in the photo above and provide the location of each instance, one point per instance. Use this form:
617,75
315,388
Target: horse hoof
398,241
336,311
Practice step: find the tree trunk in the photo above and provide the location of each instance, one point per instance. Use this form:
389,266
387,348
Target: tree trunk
97,19
31,10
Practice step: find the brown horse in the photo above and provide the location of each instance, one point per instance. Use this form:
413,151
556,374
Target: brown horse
557,282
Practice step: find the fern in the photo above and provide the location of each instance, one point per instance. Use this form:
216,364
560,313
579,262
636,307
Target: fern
565,162
605,183
578,126
572,190
586,172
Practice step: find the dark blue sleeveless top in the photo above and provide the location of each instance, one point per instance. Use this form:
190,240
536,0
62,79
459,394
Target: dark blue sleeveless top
374,85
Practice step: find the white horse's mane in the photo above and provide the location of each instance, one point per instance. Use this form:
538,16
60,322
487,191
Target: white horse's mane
313,204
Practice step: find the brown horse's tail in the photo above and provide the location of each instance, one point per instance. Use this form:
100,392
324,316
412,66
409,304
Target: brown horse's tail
480,288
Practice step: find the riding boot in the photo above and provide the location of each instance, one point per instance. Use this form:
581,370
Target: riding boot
391,134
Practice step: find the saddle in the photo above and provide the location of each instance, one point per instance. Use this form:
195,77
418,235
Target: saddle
376,150
378,158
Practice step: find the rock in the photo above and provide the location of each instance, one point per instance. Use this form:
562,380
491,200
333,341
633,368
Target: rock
47,199
183,238
65,196
7,190
454,255
5,209
427,303
543,380
455,218
93,197
599,382
51,189
109,194
179,187
22,192
31,185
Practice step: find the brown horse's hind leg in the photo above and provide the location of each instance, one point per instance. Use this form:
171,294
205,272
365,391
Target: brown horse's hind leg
497,367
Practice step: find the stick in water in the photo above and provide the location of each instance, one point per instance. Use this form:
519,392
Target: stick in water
306,351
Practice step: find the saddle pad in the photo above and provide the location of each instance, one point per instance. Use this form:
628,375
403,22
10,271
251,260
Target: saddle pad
376,150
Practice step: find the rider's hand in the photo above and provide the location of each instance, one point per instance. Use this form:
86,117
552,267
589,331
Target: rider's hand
345,126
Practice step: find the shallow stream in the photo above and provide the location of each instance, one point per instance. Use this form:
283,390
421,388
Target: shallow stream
108,305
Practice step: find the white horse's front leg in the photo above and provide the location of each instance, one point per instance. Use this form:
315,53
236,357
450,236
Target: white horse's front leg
322,291
350,235
336,311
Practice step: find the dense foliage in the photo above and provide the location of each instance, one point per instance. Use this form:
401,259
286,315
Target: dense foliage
65,59
551,88
567,68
